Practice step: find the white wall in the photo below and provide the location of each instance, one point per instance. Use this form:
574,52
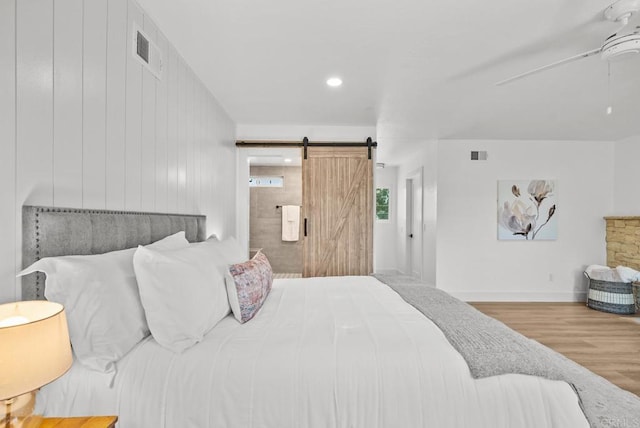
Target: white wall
472,264
627,191
384,231
82,124
312,132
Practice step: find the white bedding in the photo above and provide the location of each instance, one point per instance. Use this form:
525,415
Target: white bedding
322,352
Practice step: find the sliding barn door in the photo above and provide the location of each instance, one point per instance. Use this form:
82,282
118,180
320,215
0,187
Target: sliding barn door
337,193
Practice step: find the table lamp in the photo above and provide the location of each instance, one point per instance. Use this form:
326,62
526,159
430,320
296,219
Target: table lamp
34,350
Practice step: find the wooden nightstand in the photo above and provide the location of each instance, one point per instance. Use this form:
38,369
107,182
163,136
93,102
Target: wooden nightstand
84,422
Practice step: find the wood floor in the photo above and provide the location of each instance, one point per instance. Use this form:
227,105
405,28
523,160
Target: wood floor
606,344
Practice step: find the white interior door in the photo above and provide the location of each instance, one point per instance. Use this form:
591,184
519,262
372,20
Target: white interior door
414,224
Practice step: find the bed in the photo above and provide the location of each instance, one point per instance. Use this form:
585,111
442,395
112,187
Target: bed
320,352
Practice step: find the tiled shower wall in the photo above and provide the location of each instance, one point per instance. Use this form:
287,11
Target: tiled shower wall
266,220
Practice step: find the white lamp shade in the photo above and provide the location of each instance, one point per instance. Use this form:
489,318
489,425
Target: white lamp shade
34,346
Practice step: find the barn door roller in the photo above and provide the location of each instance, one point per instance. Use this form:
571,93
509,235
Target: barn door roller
369,144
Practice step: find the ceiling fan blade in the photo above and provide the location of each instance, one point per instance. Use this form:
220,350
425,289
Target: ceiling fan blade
634,22
552,65
573,36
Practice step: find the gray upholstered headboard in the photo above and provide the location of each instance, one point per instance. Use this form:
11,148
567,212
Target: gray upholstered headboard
48,232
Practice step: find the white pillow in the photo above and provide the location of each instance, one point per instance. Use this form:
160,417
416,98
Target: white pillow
229,253
229,250
183,293
99,292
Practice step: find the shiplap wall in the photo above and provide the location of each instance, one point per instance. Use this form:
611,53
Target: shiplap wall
84,124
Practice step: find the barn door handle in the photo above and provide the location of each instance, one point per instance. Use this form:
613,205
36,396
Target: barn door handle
305,227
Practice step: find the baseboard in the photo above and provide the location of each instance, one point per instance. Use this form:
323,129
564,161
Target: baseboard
524,296
507,296
389,271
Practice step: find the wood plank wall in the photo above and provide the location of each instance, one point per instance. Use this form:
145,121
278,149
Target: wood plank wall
84,124
7,149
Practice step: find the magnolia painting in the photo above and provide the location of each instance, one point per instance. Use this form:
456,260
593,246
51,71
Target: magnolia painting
527,210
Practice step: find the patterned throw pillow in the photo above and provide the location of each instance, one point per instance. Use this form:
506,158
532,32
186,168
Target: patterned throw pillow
248,285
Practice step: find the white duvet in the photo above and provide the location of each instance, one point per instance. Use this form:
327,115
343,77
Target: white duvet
322,352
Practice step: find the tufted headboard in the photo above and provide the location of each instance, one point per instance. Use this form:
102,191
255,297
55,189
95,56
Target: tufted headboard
48,231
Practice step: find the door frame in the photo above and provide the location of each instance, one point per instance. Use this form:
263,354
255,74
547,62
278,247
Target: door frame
243,157
415,176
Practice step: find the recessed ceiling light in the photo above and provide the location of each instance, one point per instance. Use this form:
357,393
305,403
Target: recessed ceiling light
287,160
334,82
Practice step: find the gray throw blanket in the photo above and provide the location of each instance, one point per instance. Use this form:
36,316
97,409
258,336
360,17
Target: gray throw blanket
491,348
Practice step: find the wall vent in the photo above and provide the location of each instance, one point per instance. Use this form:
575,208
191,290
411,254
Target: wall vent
145,51
142,47
478,155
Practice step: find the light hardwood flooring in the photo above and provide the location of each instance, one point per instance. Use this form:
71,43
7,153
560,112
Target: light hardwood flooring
606,344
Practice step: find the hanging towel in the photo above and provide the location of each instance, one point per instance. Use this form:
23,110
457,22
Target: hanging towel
290,222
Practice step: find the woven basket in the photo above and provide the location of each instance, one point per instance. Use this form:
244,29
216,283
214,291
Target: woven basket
613,297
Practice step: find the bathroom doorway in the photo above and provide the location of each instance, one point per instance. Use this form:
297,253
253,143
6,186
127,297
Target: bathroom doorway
275,214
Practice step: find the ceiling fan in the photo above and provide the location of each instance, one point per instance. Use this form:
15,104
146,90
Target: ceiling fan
623,42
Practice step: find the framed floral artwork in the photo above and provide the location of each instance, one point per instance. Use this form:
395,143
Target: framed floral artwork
527,210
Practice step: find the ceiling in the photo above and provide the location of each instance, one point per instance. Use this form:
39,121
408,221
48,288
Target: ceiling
419,70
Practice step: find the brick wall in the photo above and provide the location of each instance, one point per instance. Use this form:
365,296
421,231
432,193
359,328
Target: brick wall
623,241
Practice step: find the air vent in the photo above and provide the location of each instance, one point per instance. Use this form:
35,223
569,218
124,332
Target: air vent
145,51
142,47
478,155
